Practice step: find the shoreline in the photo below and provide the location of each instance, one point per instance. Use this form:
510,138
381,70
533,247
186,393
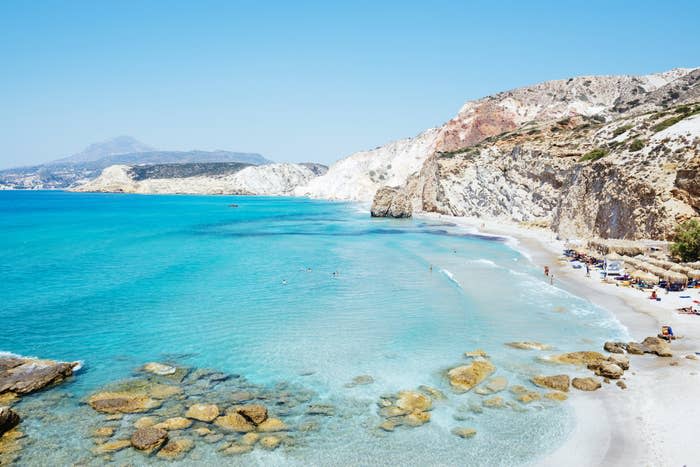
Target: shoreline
651,422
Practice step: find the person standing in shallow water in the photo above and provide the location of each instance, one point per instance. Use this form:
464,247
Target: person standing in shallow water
546,270
551,279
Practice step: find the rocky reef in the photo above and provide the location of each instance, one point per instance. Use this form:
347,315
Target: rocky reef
391,202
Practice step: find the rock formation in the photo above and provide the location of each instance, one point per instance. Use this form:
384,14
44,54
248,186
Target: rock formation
391,202
21,375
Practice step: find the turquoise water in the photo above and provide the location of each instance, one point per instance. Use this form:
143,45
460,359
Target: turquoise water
118,280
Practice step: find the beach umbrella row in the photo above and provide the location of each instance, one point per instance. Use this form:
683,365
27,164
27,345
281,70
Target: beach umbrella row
622,247
644,276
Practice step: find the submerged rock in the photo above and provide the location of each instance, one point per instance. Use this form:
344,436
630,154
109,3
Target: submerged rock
270,442
413,401
233,421
620,360
577,358
234,449
122,402
464,378
494,402
203,412
21,375
8,419
432,392
463,432
586,384
148,439
528,345
360,380
558,382
175,423
478,353
556,396
160,369
272,425
176,448
112,446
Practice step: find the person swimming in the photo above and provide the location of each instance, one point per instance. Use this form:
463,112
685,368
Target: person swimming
284,281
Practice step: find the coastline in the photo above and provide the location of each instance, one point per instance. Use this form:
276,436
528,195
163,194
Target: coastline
651,422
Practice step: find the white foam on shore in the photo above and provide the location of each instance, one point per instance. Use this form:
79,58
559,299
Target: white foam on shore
483,261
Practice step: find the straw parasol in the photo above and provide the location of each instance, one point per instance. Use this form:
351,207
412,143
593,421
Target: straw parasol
694,274
647,277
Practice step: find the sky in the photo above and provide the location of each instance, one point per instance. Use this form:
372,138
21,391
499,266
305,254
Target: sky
299,81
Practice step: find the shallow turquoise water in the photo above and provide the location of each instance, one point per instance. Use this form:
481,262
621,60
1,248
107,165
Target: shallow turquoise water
120,280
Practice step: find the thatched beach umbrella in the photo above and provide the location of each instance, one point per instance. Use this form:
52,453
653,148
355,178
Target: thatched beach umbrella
645,277
613,257
694,274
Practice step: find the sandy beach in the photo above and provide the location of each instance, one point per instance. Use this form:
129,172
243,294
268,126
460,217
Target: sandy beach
652,422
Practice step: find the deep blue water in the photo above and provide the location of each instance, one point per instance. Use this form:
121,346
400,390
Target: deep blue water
119,280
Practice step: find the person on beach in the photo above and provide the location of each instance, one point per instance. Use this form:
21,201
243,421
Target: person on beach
653,295
551,279
546,270
588,270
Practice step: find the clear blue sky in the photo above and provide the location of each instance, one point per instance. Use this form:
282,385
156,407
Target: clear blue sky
299,81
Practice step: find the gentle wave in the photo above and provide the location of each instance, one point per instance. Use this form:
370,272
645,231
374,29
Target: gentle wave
451,277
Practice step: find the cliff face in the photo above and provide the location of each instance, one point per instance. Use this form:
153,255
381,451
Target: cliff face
210,178
590,156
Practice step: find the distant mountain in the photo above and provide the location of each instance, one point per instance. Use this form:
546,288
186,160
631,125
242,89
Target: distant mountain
89,163
111,147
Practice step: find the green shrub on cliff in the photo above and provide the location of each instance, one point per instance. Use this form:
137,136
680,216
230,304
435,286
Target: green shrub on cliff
636,145
686,242
594,155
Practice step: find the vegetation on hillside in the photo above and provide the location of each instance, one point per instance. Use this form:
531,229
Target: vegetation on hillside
594,155
686,241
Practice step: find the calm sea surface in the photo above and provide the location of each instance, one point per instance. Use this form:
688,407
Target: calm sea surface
118,280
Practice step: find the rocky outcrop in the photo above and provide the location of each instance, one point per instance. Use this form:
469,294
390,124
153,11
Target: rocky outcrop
148,439
657,346
586,384
464,378
391,202
557,382
21,375
8,419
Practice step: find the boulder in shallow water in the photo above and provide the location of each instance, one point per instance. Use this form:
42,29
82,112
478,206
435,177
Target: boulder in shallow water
556,396
270,442
615,347
413,401
416,418
255,413
577,358
558,382
607,370
233,421
175,423
122,402
464,378
620,360
111,446
391,202
148,439
203,412
8,419
272,425
586,384
159,369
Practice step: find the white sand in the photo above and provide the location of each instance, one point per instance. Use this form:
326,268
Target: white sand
655,421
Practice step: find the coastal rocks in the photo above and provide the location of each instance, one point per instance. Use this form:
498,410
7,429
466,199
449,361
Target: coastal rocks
159,369
103,432
464,378
148,439
464,432
407,408
21,375
528,345
270,442
620,360
255,413
635,348
203,412
524,395
8,419
391,202
144,422
558,382
494,402
122,402
478,353
176,448
586,384
615,347
233,421
326,410
583,358
111,446
657,346
413,401
175,423
621,385
606,370
272,425
556,396
432,392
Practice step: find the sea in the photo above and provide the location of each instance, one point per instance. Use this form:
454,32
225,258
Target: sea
284,295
